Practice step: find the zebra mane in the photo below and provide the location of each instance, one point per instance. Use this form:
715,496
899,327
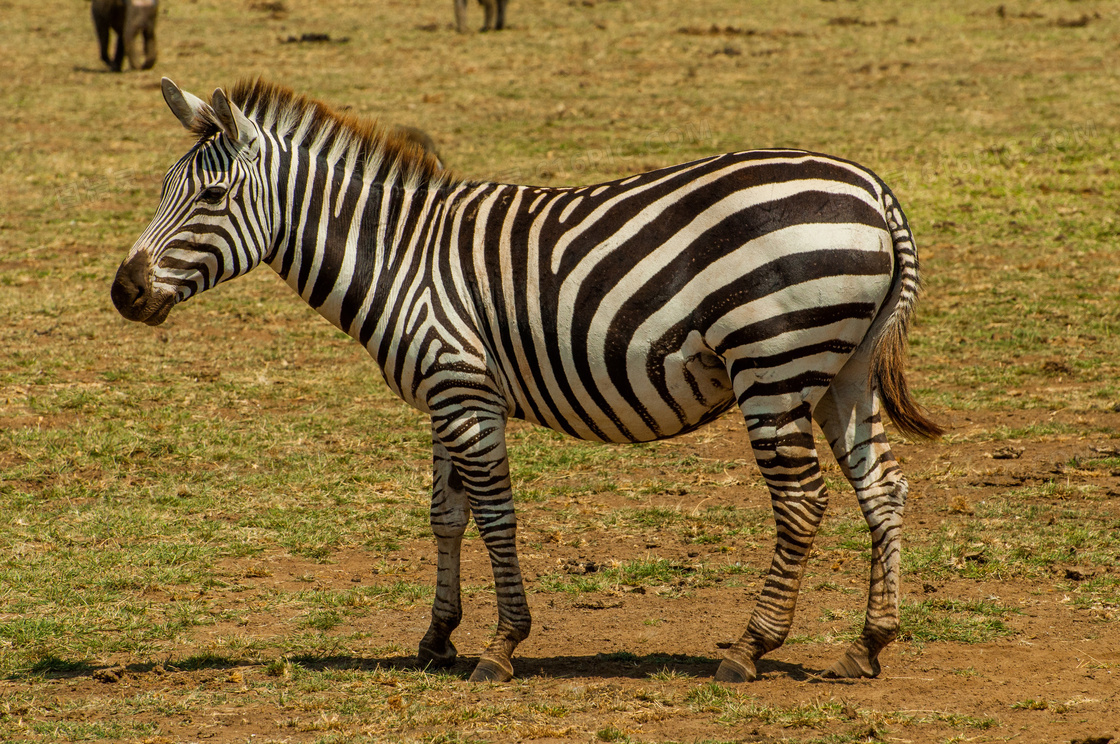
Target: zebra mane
342,136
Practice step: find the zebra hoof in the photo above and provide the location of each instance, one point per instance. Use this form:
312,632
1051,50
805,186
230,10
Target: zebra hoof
732,670
854,664
428,656
490,670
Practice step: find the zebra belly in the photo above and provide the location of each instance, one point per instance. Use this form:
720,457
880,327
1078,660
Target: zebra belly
694,390
691,386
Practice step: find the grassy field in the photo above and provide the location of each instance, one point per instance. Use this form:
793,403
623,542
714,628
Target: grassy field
217,530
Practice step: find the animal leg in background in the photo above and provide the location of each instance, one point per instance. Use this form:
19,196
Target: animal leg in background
140,19
495,15
129,19
108,15
461,16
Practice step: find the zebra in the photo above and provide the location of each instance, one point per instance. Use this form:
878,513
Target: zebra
778,281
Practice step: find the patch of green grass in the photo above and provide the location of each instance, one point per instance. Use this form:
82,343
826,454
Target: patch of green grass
322,620
654,516
698,526
734,707
205,660
50,664
926,621
657,572
381,596
954,720
610,733
665,674
954,621
93,731
1030,531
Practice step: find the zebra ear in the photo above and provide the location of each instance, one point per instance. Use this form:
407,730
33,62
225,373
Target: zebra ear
185,106
230,120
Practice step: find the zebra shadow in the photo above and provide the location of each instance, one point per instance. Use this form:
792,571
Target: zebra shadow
629,666
615,665
648,666
622,665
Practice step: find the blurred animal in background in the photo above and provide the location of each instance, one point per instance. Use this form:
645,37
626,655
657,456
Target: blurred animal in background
495,15
421,139
129,19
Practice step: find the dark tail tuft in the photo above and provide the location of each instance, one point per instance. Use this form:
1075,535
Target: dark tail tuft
887,370
888,356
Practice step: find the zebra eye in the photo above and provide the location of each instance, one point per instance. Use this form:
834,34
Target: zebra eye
213,194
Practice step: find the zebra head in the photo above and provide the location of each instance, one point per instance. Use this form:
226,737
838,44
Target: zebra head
212,223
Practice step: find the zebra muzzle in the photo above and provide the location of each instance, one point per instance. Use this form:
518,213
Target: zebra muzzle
133,295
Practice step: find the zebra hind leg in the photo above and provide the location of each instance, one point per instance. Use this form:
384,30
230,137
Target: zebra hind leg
449,515
782,440
851,419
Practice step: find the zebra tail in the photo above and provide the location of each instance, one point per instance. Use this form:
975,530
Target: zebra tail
889,353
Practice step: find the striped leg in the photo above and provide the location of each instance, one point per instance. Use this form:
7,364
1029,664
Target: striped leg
449,515
783,446
476,445
850,417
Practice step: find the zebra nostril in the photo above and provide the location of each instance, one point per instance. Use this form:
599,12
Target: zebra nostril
131,285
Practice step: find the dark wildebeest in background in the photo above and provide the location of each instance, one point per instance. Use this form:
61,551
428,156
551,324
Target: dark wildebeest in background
420,138
129,19
495,14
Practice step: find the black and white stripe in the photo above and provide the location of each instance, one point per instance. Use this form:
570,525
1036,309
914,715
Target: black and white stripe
778,281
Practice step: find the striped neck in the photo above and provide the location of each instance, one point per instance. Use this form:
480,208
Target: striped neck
335,181
343,225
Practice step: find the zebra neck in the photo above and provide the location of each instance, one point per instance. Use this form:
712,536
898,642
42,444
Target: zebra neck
349,244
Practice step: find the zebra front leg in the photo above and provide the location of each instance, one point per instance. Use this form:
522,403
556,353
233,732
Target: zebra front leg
783,446
492,507
449,515
477,447
851,418
498,527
